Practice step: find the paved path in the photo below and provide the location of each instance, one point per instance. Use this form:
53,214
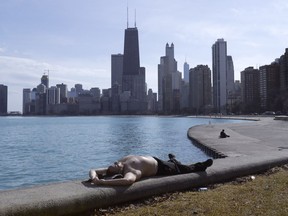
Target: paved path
254,138
252,147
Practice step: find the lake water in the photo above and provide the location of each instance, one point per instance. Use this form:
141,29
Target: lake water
40,150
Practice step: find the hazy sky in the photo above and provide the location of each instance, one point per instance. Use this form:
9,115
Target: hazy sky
74,39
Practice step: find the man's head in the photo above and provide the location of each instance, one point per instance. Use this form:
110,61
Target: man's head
116,168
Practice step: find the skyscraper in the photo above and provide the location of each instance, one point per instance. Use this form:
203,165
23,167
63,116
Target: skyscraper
78,89
30,101
200,89
116,70
219,69
250,89
41,100
26,101
186,72
63,92
3,99
284,71
269,85
284,81
131,60
53,95
133,79
230,76
168,87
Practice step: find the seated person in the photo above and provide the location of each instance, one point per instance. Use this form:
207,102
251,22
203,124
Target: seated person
223,134
133,167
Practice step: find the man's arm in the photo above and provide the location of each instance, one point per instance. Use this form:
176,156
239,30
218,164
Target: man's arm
95,173
101,171
128,179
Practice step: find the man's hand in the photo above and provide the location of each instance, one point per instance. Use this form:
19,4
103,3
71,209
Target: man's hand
96,180
93,176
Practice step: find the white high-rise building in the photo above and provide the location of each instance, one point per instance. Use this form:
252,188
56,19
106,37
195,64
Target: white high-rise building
186,72
219,70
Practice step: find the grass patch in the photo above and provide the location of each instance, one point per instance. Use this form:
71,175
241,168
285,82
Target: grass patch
267,194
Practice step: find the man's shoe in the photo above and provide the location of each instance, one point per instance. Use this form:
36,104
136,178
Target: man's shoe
208,163
171,156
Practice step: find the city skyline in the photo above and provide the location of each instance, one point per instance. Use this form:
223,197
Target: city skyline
75,41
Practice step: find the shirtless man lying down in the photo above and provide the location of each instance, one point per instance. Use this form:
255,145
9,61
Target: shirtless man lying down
132,168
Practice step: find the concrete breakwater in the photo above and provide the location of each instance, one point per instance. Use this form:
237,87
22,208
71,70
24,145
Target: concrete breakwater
207,149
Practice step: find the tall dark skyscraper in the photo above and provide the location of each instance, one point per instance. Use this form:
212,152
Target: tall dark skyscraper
128,83
131,61
3,99
133,79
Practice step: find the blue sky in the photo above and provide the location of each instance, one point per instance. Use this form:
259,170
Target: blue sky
74,39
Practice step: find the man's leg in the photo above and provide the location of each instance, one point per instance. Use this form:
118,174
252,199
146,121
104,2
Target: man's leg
172,158
166,167
197,167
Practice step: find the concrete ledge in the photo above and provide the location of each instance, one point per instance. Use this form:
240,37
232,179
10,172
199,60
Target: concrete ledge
206,148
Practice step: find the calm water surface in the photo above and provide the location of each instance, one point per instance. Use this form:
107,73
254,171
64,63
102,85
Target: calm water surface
40,150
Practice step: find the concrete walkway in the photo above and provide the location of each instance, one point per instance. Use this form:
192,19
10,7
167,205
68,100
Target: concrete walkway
252,147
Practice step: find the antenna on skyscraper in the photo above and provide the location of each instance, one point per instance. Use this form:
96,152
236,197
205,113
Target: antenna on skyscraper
127,16
135,19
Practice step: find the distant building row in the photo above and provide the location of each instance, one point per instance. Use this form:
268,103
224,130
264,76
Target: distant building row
266,88
57,100
260,90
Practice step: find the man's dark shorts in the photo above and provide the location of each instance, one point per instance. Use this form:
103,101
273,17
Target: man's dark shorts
165,167
174,168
